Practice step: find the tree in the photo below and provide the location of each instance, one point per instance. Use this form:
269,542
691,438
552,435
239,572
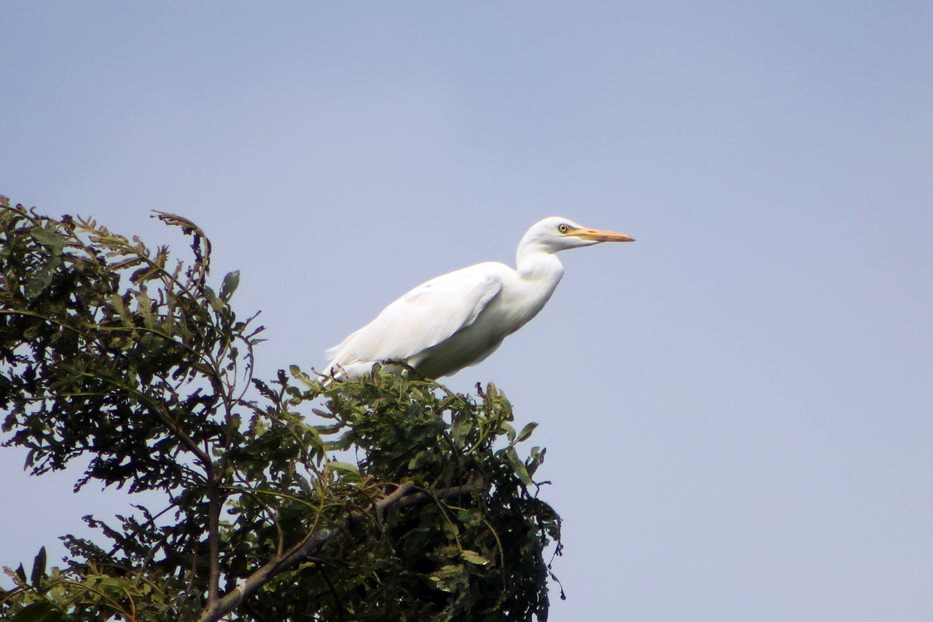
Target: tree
388,498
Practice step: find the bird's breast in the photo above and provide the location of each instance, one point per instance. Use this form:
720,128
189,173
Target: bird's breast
505,314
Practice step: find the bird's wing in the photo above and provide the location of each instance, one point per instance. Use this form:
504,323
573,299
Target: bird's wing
422,318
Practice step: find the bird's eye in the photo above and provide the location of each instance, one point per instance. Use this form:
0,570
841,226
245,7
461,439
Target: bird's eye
563,227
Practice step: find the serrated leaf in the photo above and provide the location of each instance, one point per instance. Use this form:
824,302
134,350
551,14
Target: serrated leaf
117,302
144,305
302,377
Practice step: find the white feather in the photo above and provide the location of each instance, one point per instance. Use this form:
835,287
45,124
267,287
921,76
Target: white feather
460,318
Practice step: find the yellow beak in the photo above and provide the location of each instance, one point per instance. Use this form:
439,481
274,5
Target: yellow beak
597,235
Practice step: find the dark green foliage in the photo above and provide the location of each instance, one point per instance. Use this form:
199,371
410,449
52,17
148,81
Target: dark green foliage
389,498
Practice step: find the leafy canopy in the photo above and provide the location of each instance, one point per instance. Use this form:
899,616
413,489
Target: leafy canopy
388,498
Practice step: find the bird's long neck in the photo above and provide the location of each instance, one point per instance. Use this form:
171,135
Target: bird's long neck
540,271
536,263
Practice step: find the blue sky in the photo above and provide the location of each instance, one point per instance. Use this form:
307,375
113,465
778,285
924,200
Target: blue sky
738,408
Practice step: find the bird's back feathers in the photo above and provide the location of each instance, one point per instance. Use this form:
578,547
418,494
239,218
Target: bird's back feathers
420,319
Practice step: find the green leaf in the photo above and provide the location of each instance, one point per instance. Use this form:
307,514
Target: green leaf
38,568
446,572
88,381
231,282
509,432
474,558
526,432
146,273
419,460
48,238
535,458
460,429
302,377
518,466
144,305
315,440
351,472
39,612
117,303
216,303
37,283
117,583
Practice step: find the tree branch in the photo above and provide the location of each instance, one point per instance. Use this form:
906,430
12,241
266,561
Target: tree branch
420,498
213,539
403,496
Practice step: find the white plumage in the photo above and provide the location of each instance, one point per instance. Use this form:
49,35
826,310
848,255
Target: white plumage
459,318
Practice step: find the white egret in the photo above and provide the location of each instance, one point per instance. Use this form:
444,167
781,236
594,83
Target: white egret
458,319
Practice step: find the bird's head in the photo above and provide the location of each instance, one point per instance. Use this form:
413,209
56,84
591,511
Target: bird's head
557,234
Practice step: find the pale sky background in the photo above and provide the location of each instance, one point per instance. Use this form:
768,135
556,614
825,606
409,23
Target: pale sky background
738,408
